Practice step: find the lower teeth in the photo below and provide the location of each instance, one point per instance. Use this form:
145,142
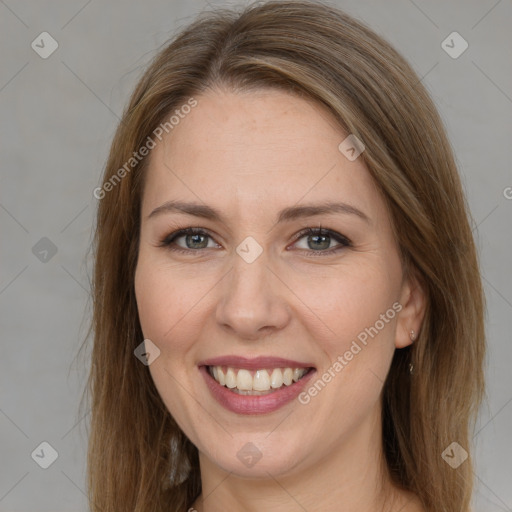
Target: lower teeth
252,392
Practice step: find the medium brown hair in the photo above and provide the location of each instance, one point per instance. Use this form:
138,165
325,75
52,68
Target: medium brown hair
138,458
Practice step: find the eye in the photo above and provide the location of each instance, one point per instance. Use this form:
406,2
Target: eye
194,239
318,239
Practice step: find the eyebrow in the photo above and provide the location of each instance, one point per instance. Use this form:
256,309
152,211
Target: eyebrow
287,214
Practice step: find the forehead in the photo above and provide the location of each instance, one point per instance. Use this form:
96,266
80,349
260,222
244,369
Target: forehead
243,151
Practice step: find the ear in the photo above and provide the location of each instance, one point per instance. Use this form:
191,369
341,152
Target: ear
410,318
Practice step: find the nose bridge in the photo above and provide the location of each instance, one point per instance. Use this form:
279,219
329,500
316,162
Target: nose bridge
251,300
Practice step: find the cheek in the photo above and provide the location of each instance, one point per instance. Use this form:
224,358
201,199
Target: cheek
161,301
152,302
171,302
355,331
354,328
165,303
347,300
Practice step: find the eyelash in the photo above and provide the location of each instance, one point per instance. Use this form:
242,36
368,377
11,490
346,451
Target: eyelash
344,241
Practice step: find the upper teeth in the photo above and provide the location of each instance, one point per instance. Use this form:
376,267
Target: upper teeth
262,380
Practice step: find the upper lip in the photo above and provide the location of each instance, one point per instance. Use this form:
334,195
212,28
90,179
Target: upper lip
256,363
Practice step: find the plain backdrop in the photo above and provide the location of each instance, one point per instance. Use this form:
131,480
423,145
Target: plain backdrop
58,116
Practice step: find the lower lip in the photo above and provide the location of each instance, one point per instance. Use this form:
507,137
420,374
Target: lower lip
254,404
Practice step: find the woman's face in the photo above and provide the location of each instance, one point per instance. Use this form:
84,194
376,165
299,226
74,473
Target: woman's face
253,292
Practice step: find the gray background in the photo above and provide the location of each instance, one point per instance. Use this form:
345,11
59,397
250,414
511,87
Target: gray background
58,116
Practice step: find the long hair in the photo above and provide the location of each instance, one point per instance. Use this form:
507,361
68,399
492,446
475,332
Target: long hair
139,460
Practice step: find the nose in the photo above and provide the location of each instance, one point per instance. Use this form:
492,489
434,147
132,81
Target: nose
253,302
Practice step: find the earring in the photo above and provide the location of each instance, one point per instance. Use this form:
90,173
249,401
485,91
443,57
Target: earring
412,335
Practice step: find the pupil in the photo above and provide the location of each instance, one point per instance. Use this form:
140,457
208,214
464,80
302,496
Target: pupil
325,241
195,238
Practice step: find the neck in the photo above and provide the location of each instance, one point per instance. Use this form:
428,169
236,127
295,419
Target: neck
353,476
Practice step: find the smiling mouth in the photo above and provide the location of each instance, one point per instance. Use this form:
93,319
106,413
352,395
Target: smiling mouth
256,382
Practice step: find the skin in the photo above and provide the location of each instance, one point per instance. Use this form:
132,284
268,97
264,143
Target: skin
250,155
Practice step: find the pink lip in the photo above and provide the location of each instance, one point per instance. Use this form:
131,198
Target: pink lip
254,404
257,363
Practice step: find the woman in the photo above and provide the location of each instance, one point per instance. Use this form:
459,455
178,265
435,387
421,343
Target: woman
288,311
